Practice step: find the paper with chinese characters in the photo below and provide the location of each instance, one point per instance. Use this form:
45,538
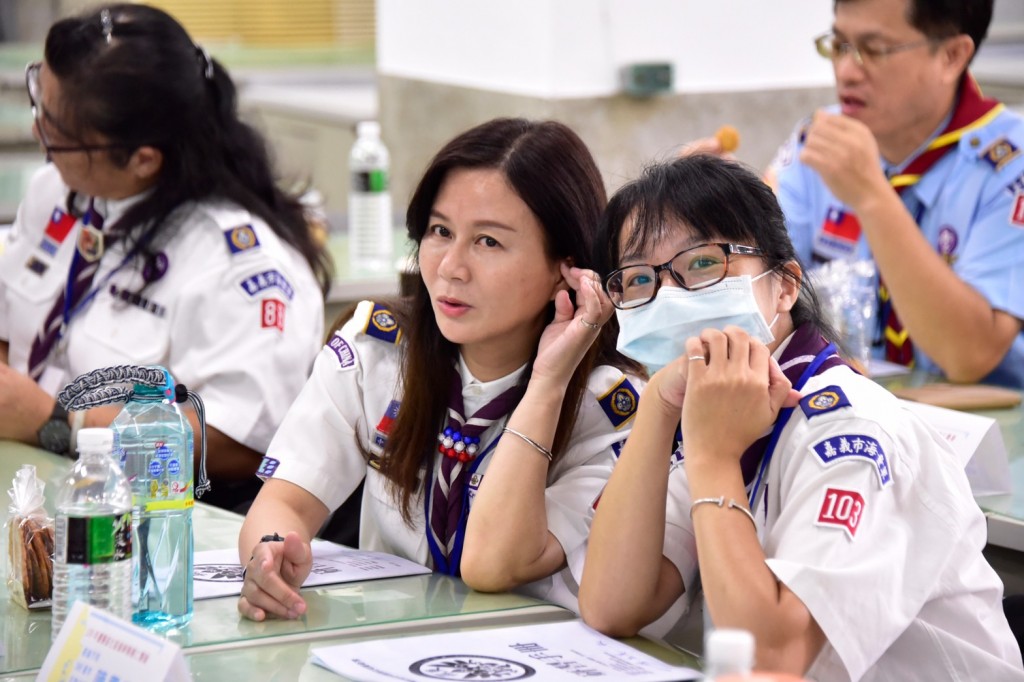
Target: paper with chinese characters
541,653
95,645
218,573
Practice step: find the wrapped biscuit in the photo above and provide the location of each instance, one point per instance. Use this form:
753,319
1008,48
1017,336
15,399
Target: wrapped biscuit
30,542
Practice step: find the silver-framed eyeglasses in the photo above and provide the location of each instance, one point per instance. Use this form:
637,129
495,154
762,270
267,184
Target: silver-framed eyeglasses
868,54
42,119
694,268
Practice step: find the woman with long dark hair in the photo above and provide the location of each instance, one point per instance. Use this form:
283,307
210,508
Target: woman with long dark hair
832,523
483,413
155,235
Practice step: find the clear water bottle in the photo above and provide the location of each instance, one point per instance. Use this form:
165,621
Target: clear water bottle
728,653
93,535
155,441
369,203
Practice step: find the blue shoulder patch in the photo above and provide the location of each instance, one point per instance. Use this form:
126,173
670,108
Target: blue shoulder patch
826,400
383,325
1000,153
856,446
267,468
241,238
619,402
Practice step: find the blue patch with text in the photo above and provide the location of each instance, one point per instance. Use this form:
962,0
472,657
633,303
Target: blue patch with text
851,447
346,354
267,279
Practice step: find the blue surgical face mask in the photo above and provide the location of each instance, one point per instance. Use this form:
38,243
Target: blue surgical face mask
655,334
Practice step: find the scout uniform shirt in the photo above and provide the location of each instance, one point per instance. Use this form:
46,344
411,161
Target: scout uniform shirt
868,518
969,206
351,400
230,309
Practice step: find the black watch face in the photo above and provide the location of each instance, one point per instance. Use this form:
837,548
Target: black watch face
55,436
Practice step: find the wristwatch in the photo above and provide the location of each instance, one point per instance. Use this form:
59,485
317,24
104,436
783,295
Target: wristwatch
55,433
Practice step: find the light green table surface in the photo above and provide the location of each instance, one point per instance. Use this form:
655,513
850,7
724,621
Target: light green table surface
371,608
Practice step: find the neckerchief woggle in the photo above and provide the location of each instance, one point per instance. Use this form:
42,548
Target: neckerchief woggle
806,340
450,565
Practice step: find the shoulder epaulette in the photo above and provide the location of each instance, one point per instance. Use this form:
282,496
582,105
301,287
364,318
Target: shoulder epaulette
619,402
999,153
382,324
826,400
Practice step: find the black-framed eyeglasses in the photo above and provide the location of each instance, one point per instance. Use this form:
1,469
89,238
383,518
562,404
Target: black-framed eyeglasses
42,119
866,54
694,268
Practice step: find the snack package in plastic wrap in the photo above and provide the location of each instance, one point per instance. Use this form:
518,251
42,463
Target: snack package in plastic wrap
849,294
29,535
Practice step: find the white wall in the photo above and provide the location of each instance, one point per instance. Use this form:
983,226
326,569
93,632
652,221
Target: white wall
574,48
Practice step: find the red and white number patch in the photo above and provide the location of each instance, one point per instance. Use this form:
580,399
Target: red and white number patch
843,509
1017,214
272,314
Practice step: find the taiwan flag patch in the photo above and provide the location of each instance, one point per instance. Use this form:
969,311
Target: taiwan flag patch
840,232
57,230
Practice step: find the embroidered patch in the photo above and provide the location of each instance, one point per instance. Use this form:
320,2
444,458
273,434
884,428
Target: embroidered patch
48,246
1000,153
241,238
155,267
826,400
473,486
617,448
619,402
60,226
272,314
384,425
843,509
346,354
383,325
1017,212
267,467
947,242
838,448
266,280
136,299
37,266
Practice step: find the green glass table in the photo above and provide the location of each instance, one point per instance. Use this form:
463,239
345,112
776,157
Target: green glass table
397,605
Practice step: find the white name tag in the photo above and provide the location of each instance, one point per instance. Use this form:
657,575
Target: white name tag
94,645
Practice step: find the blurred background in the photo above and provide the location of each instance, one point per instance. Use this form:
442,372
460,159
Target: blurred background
635,78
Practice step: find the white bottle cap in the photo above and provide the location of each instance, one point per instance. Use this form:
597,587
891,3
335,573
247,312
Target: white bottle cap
95,439
368,129
729,651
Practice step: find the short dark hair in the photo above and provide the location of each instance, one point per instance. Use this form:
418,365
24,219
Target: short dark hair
132,73
719,200
946,18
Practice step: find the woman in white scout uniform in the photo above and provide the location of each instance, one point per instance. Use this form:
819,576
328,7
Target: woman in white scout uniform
484,412
836,527
155,236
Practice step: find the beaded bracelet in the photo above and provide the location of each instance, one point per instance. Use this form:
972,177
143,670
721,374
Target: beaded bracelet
540,448
720,502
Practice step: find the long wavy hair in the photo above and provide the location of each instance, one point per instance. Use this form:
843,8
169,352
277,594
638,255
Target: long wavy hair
149,84
552,171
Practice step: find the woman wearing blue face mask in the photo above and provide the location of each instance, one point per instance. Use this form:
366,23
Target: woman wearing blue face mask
831,523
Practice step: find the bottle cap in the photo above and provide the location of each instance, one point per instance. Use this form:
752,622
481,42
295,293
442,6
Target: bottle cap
368,129
95,439
729,650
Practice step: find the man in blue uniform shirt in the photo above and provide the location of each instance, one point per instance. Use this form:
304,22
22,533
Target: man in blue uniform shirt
942,215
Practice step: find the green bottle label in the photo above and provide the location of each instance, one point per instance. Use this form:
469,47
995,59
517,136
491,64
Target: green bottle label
97,539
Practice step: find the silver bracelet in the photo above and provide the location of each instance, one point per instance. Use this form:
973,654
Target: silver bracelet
720,502
537,446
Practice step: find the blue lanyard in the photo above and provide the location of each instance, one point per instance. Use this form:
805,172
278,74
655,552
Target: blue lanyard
784,414
450,565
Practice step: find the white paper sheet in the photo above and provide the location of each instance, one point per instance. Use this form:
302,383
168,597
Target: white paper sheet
218,573
550,652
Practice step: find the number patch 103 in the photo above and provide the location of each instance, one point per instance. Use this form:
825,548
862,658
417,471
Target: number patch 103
843,509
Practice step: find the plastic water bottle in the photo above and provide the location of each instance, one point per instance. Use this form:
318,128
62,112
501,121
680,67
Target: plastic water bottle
93,535
728,653
155,441
369,203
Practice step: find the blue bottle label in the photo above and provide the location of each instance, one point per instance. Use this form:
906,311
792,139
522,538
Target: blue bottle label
156,468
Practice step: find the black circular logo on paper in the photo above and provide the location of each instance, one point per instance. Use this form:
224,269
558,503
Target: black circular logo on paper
469,667
218,573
